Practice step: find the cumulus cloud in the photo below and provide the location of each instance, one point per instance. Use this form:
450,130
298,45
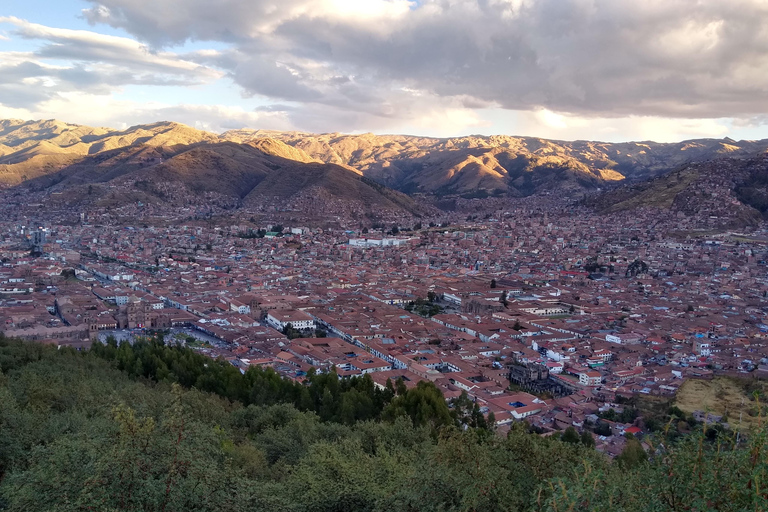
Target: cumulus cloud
600,58
105,110
561,67
85,61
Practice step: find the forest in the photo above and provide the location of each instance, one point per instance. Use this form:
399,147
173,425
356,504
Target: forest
152,427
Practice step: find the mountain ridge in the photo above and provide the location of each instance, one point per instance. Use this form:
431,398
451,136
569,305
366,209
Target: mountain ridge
225,174
472,165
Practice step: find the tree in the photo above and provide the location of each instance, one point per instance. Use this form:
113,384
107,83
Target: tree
493,283
603,429
424,405
365,231
68,273
290,332
587,439
633,453
570,436
503,299
491,421
400,387
636,267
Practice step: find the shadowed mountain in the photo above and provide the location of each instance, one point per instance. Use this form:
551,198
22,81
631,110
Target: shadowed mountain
728,191
223,173
328,182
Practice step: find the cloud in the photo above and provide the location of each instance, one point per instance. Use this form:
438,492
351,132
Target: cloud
105,110
549,125
602,58
79,60
563,68
170,22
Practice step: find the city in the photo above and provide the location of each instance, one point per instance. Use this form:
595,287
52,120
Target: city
538,312
383,256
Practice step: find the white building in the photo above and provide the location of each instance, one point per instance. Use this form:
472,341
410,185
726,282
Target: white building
590,378
702,347
278,319
378,242
624,338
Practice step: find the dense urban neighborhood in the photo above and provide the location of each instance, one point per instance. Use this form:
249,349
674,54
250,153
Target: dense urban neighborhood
537,312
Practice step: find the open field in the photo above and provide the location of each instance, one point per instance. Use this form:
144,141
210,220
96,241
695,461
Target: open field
722,396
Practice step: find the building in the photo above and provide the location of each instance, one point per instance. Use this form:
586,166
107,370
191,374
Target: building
279,318
702,347
590,378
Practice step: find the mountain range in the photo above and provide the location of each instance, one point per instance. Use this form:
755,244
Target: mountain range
167,159
494,165
175,164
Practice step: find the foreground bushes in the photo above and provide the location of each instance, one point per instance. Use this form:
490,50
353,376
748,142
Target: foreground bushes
76,434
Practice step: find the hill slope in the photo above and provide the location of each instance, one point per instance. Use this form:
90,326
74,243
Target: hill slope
222,173
30,149
727,192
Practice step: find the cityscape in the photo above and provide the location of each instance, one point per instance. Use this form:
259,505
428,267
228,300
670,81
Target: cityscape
537,310
383,256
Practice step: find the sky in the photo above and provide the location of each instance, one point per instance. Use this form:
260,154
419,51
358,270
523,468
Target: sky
610,70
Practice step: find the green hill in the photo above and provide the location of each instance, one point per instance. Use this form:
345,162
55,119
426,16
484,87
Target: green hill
156,428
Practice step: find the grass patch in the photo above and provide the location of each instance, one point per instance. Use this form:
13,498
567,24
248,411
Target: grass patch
657,193
723,396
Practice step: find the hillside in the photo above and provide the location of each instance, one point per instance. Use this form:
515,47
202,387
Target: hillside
152,427
30,149
722,396
227,174
728,192
328,182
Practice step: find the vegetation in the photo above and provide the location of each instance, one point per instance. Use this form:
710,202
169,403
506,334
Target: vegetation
250,233
754,191
740,400
162,428
627,415
425,308
636,267
332,399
